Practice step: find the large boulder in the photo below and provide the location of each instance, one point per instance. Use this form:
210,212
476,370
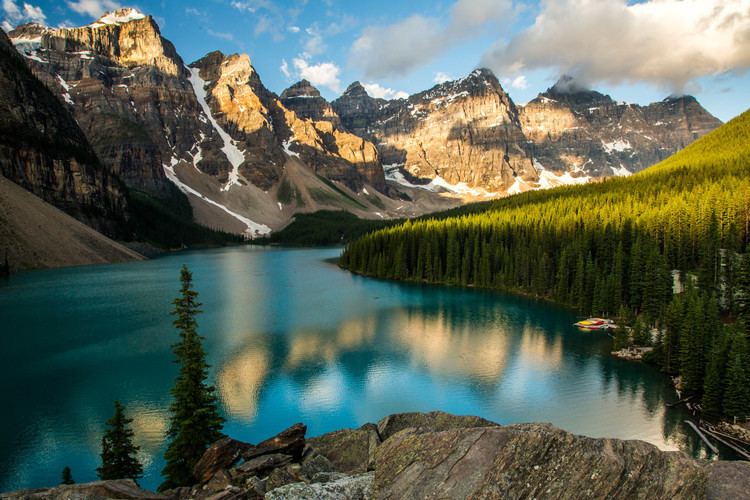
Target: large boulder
290,441
536,461
221,455
428,422
119,488
348,450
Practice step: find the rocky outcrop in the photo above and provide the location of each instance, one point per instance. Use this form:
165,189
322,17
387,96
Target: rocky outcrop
119,488
579,130
464,131
358,487
43,150
437,455
428,422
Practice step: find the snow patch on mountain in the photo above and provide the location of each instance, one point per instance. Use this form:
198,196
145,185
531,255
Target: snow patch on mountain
120,16
231,151
436,185
64,85
287,147
253,230
618,146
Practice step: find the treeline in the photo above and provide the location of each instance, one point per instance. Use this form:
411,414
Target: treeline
621,247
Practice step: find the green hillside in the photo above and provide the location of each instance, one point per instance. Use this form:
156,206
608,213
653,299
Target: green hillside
609,248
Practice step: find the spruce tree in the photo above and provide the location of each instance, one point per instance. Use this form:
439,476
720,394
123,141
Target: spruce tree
119,460
195,421
736,393
712,386
67,476
742,302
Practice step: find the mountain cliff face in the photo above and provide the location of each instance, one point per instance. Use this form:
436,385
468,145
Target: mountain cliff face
575,129
248,160
268,131
212,129
469,131
127,88
43,150
465,131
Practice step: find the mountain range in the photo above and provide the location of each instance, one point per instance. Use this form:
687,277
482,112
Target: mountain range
124,119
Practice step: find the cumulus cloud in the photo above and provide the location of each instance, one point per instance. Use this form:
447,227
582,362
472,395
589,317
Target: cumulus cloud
314,45
664,42
93,8
15,15
441,77
325,74
270,19
399,48
519,82
284,68
379,92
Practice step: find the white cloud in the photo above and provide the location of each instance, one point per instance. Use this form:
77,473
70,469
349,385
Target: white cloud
93,8
15,15
314,45
324,74
401,47
441,77
285,69
221,34
379,92
269,18
665,42
294,29
519,82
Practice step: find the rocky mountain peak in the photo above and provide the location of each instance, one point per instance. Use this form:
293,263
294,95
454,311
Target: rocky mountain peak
479,82
569,90
28,30
301,89
119,16
355,90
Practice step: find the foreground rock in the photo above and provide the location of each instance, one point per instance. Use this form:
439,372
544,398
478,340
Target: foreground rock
120,488
437,455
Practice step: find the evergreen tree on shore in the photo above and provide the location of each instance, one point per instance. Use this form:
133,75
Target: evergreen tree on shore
195,421
737,393
67,476
119,460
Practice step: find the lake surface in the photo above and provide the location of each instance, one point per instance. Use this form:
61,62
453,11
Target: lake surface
292,338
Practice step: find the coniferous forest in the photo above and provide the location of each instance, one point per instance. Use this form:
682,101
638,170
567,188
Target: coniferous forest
665,251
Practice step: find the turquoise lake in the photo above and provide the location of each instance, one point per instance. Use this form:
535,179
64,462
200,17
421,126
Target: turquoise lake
293,338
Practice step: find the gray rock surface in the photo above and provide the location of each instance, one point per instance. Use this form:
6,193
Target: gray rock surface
441,456
428,422
358,487
540,461
99,490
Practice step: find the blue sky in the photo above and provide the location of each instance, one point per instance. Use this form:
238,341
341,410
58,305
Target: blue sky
636,51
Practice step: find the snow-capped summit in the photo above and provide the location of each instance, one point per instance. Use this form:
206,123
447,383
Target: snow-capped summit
119,16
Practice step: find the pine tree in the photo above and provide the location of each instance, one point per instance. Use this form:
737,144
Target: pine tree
712,386
119,460
736,393
67,476
742,302
195,421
